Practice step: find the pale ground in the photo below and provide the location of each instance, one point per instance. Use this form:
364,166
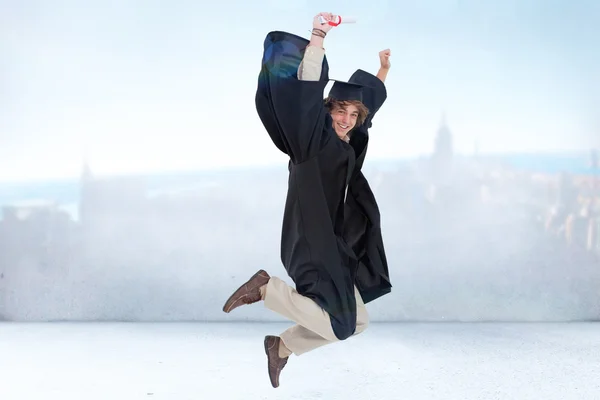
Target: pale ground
118,361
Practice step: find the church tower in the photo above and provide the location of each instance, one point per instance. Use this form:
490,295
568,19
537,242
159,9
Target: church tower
444,148
443,152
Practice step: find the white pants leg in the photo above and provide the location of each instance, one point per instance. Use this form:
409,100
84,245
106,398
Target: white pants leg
313,327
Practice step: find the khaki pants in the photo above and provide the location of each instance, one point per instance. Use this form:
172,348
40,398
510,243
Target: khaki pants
313,327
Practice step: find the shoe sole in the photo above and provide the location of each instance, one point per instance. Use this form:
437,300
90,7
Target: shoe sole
237,290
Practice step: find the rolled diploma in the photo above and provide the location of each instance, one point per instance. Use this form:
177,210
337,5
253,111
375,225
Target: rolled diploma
338,19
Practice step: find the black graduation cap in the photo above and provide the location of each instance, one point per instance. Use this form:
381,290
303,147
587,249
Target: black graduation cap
346,91
362,86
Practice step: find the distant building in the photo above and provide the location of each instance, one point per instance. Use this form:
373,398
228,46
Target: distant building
114,197
443,146
442,159
37,234
24,210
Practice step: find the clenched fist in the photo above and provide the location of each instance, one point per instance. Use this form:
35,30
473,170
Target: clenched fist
384,58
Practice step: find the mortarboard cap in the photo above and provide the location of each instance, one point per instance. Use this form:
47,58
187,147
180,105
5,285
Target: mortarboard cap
346,91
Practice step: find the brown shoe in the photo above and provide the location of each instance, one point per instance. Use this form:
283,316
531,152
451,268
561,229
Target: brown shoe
275,363
248,293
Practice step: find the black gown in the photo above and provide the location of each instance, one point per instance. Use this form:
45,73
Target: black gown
331,233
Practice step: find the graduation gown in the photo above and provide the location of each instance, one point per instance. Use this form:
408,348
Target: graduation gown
331,235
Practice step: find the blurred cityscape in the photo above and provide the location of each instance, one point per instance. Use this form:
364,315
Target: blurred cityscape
505,223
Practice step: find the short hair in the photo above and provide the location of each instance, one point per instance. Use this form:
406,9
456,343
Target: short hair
332,104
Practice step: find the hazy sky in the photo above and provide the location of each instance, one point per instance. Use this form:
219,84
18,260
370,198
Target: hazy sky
151,85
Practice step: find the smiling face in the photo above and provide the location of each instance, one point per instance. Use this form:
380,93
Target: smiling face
346,116
344,119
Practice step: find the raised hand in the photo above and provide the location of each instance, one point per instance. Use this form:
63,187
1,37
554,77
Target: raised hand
323,27
384,58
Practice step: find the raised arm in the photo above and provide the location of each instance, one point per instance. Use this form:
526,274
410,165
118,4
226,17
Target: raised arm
289,97
310,67
384,59
373,98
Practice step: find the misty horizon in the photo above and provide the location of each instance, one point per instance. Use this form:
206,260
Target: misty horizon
132,156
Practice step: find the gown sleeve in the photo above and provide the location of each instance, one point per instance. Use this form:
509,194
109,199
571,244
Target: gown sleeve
292,109
374,95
